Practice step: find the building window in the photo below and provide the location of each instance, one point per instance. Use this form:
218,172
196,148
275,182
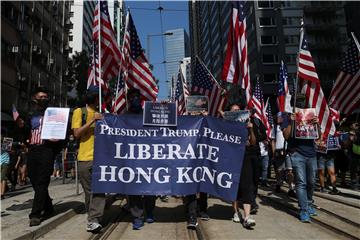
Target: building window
270,77
291,39
286,4
268,40
290,58
270,58
265,4
291,21
266,22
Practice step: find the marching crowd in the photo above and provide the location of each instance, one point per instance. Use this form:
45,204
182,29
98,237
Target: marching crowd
293,160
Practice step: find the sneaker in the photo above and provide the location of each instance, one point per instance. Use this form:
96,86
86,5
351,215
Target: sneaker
334,191
192,223
291,193
323,190
236,218
93,227
34,221
150,218
254,209
311,210
204,216
164,198
138,224
248,223
304,216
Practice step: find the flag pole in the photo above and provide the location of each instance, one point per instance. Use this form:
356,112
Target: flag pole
99,56
123,57
356,41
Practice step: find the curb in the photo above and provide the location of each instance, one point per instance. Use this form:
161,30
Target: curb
55,221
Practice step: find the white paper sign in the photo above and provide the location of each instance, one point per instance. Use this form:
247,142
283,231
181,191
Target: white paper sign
55,123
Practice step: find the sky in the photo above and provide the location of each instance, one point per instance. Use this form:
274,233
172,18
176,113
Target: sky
174,15
146,17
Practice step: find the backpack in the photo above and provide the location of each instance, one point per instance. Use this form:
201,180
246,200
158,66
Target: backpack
83,115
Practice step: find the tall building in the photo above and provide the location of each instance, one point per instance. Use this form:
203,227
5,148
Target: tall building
83,19
273,29
34,51
177,47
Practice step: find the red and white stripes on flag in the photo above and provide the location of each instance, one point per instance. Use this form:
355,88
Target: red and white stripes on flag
36,128
236,67
204,84
137,73
110,54
257,103
181,92
311,88
345,95
119,103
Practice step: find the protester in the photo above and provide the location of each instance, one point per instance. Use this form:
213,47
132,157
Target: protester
246,192
70,155
83,125
355,156
264,151
137,202
283,166
196,204
40,158
4,165
303,159
327,161
22,169
58,168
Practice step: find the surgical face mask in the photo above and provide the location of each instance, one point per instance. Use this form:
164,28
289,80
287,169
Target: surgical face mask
71,139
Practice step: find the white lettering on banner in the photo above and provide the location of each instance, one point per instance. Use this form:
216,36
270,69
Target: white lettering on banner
221,136
161,175
174,151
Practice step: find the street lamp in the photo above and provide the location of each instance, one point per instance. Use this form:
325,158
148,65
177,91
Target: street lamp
154,35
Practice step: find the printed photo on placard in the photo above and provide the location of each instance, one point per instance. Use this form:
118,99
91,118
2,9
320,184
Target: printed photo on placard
7,143
196,103
320,146
333,143
238,116
304,128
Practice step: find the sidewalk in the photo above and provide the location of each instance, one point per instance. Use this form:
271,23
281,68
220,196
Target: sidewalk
15,211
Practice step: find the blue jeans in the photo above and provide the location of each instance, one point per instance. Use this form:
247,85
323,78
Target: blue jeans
264,167
305,170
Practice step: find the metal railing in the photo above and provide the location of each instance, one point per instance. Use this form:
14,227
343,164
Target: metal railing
71,160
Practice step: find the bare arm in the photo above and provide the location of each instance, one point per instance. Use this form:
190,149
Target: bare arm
78,132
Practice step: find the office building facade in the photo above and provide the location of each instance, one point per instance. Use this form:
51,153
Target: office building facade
34,51
273,29
177,48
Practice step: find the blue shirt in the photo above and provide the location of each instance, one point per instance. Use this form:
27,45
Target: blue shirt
5,158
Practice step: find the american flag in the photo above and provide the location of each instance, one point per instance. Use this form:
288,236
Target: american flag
15,113
270,119
110,54
36,127
119,104
136,68
204,84
181,92
345,93
55,116
333,142
284,97
236,67
311,88
260,110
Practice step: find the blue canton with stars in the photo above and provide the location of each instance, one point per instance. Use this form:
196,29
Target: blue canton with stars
179,87
283,76
240,6
350,63
135,46
202,78
258,92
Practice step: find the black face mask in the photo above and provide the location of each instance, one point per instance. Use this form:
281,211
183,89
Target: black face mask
135,105
43,103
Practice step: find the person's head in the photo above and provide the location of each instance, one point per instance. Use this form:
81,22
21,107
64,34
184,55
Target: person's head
234,107
92,96
71,137
134,100
40,97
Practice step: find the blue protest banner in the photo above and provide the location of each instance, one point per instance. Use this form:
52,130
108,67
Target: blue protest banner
201,154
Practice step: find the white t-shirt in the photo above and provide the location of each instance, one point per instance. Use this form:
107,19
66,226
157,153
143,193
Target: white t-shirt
279,140
263,149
